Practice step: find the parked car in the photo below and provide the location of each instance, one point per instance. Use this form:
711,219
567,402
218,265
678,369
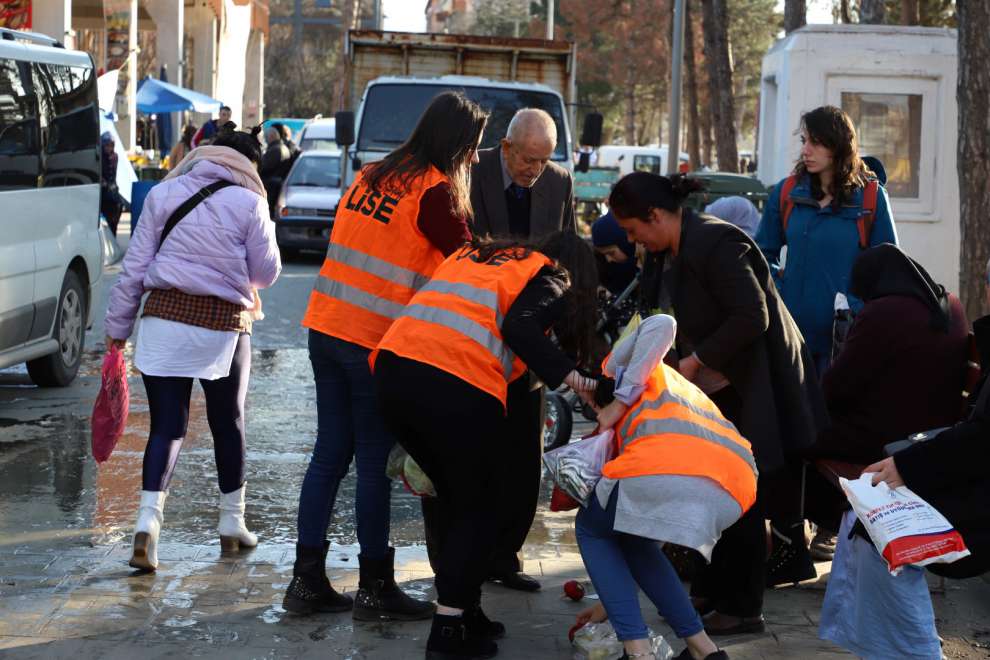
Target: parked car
50,250
308,202
636,159
318,135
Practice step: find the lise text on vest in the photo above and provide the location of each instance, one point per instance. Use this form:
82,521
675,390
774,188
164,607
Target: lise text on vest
371,203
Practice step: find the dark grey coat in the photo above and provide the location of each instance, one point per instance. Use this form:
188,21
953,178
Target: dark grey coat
551,200
728,309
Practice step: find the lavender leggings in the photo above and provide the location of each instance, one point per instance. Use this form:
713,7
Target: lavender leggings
168,400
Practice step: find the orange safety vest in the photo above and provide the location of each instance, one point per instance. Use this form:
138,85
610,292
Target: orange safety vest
675,429
454,322
377,259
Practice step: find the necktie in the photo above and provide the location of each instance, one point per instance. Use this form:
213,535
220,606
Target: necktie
518,191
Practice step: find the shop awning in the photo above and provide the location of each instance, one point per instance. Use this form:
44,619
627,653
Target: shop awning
155,96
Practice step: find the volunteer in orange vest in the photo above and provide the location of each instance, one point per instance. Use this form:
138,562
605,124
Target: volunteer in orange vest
393,227
682,474
739,345
442,372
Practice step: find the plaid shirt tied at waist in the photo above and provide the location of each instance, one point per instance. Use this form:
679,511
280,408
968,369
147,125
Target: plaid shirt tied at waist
202,311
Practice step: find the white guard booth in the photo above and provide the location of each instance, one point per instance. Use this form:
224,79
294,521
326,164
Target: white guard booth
899,86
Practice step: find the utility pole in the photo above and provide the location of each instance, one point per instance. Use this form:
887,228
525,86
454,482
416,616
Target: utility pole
676,64
550,4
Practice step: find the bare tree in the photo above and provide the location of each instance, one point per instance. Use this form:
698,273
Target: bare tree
349,19
872,11
910,12
973,154
795,15
845,15
694,133
715,20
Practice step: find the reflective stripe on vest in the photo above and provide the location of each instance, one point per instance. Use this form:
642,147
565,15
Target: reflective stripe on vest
669,397
376,260
468,328
454,322
649,427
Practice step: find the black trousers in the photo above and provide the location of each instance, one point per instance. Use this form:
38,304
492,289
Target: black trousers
518,469
454,432
734,581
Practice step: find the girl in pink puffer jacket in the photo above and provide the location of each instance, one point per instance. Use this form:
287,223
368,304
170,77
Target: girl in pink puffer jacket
196,323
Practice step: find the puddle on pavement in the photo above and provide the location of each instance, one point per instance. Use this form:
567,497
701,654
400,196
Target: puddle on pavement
51,483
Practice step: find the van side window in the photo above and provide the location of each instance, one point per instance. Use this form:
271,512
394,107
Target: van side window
646,164
70,124
20,141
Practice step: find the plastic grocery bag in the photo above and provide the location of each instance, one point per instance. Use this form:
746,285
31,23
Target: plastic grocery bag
597,641
402,467
110,411
577,467
906,530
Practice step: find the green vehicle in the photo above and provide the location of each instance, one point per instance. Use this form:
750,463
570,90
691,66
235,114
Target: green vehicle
725,184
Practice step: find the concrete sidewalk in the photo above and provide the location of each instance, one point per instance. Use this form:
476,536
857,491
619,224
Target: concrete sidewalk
62,597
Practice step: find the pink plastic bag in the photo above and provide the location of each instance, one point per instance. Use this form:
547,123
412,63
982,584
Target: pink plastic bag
110,411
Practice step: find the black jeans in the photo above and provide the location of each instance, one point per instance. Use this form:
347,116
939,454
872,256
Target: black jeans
519,469
735,579
454,432
168,402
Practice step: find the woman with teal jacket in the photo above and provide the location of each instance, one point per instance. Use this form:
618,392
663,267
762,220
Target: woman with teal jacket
830,197
823,227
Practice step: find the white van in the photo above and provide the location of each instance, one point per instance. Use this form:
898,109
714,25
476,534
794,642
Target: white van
636,159
318,135
50,255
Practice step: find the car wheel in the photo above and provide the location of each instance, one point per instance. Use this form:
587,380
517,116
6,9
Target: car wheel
288,254
59,368
558,422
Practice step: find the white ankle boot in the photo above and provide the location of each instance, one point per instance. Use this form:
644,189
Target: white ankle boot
149,524
233,533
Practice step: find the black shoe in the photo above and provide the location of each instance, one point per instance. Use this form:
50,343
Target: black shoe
451,638
479,624
517,580
718,655
789,562
310,590
379,598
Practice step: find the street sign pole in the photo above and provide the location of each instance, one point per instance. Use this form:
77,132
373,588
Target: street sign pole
677,63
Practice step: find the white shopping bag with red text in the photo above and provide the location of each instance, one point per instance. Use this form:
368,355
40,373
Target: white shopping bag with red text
905,529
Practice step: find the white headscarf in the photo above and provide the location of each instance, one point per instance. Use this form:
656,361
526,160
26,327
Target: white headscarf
737,210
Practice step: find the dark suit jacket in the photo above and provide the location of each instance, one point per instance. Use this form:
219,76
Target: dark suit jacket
551,199
728,309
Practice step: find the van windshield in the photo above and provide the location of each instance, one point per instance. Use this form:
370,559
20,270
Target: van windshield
391,111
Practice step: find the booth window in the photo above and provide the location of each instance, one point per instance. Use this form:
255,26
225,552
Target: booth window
889,128
647,164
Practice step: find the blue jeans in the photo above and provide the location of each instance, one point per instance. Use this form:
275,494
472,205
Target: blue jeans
617,563
349,425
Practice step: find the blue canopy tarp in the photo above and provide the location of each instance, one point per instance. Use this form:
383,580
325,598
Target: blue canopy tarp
156,96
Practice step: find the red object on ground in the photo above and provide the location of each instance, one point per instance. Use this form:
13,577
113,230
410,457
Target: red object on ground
110,410
574,590
561,501
576,627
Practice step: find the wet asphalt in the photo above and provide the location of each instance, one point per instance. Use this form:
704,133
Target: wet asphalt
51,486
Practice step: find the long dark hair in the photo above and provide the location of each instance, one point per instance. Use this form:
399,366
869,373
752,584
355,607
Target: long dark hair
188,133
445,137
575,261
635,194
832,128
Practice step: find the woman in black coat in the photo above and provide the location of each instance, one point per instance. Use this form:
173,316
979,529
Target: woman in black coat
738,343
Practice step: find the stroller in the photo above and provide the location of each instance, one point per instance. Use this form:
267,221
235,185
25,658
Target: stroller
614,313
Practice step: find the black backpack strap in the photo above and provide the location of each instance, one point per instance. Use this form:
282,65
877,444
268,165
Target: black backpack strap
189,205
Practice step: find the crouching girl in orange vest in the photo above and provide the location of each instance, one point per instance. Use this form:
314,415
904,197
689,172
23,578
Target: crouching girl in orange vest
682,474
442,372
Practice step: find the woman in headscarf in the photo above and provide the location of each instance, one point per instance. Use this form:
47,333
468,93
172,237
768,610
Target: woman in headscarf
900,370
738,211
618,253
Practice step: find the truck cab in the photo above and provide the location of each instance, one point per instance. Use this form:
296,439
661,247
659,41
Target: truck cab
391,106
